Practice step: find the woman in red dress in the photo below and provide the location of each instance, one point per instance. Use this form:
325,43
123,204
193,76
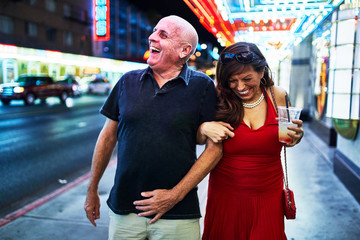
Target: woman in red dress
245,188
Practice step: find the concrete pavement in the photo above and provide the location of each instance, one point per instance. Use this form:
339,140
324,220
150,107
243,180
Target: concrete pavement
325,209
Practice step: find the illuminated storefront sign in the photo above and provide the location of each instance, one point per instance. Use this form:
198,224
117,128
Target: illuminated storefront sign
16,60
101,23
9,70
321,87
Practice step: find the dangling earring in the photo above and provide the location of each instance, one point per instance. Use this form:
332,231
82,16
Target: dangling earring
268,69
263,81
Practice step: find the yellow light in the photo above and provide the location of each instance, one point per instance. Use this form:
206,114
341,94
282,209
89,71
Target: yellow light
228,43
146,55
18,89
91,70
209,72
198,54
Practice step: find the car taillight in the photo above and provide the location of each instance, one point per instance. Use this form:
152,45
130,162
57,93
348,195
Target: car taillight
18,89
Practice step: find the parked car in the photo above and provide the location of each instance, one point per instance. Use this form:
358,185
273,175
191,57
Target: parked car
95,84
29,88
71,83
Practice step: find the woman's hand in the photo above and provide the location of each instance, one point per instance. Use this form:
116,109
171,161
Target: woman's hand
217,131
297,134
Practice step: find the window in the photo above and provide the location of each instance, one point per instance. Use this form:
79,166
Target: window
67,10
32,2
83,15
51,34
6,24
31,29
68,38
50,5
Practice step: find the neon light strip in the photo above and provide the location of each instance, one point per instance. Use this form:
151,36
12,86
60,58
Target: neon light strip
203,11
213,25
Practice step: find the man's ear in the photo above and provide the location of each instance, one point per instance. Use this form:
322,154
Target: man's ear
185,50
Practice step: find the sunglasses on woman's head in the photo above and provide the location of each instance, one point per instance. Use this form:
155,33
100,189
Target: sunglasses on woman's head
241,57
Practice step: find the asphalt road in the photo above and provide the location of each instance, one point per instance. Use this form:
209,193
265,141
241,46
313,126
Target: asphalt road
44,146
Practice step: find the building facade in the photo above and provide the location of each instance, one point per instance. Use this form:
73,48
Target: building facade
56,38
63,25
325,81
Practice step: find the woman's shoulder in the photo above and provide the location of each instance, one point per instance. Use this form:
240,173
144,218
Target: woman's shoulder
279,95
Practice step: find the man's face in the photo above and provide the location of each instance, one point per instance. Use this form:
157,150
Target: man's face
165,46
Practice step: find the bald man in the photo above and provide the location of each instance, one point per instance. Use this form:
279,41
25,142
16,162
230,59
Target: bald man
153,116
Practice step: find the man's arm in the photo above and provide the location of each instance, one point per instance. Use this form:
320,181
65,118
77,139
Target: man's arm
102,153
162,200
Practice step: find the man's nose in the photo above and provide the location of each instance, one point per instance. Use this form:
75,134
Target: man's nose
152,37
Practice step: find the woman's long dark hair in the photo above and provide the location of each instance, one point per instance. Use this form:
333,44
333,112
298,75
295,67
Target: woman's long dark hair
230,108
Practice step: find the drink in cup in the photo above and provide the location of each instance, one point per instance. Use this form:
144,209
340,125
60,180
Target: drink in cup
286,115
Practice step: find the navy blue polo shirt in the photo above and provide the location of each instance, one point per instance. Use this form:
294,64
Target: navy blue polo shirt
157,135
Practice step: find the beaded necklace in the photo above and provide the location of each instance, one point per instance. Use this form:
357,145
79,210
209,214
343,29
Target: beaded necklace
254,104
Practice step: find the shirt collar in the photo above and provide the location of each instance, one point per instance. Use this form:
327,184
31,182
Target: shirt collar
184,74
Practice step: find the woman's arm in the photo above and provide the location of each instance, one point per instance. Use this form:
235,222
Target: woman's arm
216,131
298,131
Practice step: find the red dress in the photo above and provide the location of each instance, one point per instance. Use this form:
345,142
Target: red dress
245,189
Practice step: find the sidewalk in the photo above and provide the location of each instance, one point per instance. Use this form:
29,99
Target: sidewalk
325,209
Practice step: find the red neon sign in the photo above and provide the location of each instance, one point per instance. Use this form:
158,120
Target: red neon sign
101,20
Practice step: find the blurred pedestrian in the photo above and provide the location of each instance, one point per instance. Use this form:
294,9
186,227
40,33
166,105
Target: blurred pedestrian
153,116
245,188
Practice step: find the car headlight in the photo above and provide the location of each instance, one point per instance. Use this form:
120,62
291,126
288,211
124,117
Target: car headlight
18,89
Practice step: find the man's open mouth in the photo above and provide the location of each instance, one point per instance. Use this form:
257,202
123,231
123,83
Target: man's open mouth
154,50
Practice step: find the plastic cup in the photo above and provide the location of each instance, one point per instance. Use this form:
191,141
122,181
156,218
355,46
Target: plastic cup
286,115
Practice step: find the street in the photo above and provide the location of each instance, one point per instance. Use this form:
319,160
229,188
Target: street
44,146
325,208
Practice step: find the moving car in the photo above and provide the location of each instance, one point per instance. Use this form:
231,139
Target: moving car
72,85
95,84
29,88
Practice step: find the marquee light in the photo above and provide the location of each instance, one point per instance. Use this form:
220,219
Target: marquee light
228,21
101,20
212,19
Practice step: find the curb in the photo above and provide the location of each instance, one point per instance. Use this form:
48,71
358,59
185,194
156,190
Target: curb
37,203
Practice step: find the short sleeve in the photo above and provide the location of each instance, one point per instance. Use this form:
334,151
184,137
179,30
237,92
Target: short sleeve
209,103
110,109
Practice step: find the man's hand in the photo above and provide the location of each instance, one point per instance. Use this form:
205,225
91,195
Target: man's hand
92,206
158,202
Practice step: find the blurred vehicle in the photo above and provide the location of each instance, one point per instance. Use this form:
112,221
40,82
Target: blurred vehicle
95,84
29,88
70,82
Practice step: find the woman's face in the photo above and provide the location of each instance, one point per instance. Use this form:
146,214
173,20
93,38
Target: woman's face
246,84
